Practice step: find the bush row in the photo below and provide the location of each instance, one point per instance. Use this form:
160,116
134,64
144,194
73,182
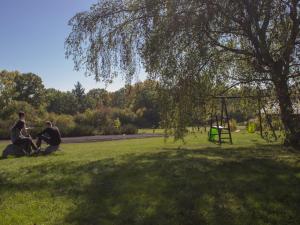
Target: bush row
107,121
254,124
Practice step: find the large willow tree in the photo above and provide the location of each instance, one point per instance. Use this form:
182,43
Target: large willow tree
182,42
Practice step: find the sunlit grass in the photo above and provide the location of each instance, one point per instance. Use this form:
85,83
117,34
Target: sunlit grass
151,181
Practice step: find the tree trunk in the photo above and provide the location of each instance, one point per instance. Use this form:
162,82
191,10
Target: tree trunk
291,122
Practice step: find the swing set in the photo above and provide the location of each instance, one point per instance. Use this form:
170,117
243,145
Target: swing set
220,130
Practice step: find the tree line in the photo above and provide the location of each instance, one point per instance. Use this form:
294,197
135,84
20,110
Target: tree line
77,112
148,104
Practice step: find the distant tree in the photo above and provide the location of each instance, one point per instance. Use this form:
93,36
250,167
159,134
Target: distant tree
7,87
29,88
177,40
61,102
78,91
118,98
79,94
99,97
146,104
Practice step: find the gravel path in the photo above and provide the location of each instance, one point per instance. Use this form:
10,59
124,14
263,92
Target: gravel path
101,138
108,138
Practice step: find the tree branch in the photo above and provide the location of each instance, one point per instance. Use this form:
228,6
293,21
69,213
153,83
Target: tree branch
234,50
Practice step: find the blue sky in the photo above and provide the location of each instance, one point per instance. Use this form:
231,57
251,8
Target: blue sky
32,35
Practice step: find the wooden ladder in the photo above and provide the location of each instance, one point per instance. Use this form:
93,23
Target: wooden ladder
224,123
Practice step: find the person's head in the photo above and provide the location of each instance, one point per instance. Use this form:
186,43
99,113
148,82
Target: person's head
21,115
48,124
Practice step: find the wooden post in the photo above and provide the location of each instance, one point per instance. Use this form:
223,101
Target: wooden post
228,122
222,111
219,130
270,124
259,115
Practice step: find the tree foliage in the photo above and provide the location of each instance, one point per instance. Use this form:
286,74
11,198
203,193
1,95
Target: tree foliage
7,87
29,88
100,97
61,102
240,42
21,87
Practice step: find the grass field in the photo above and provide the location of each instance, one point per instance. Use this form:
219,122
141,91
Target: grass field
152,182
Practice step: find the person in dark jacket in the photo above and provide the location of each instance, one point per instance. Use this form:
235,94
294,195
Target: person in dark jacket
20,137
50,135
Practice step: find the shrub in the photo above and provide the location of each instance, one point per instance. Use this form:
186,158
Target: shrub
117,123
80,118
5,126
4,130
100,118
82,130
233,125
129,129
111,130
274,119
251,127
65,123
4,134
11,111
94,118
276,123
124,115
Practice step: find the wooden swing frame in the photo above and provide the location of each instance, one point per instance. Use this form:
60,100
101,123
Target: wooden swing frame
225,119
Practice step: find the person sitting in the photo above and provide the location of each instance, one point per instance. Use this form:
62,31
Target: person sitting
20,137
51,136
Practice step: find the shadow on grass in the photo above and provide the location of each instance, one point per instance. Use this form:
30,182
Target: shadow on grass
207,186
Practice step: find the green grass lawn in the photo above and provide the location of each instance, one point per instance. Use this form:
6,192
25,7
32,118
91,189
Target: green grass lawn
152,182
